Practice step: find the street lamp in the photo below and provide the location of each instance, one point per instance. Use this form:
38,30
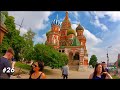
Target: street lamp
108,56
117,58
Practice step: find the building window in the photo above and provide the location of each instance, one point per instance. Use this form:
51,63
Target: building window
63,51
81,43
76,57
59,50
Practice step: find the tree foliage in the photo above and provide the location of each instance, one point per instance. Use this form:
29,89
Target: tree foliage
93,60
24,47
12,38
29,44
50,56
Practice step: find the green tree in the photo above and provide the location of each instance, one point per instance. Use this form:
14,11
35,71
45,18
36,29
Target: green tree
8,38
12,38
93,60
29,44
18,44
49,55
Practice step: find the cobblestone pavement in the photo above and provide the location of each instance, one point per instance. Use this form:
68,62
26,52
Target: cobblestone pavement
57,74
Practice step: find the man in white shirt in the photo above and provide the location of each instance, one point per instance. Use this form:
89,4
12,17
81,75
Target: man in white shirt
65,71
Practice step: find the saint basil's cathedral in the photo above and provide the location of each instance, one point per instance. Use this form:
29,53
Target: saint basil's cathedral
66,40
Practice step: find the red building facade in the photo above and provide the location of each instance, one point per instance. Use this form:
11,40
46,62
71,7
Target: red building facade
66,40
116,63
3,29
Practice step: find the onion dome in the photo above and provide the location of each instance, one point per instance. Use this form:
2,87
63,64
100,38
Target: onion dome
79,27
70,31
56,22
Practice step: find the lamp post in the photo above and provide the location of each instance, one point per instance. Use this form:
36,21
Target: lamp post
117,58
108,56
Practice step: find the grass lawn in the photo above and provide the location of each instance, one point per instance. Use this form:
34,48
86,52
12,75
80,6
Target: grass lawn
28,68
22,66
115,77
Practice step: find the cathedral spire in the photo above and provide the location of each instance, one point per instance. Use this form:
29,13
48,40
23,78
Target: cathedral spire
57,17
66,24
66,16
78,23
79,27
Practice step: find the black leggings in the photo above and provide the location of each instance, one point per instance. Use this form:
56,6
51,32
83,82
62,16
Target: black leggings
65,76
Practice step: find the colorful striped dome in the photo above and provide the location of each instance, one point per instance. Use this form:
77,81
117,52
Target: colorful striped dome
55,22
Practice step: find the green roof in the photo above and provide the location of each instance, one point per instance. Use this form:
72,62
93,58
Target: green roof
71,31
75,42
62,47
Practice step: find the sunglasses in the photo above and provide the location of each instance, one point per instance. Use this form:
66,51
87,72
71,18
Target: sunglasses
34,65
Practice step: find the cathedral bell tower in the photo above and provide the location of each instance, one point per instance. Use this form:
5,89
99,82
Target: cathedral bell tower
53,37
82,40
66,25
80,35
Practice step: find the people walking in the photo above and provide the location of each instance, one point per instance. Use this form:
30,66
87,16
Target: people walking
65,71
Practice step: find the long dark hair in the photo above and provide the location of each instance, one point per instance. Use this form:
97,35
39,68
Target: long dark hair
31,71
95,71
40,64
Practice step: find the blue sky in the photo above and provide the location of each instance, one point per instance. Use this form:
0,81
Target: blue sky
102,28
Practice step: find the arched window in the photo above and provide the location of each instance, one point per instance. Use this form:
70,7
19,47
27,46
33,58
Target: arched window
63,51
59,50
81,43
76,56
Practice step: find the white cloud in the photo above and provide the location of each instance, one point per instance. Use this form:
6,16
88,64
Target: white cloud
97,23
87,13
74,26
99,14
22,30
114,16
92,42
41,26
110,39
113,39
41,39
75,14
32,19
91,45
